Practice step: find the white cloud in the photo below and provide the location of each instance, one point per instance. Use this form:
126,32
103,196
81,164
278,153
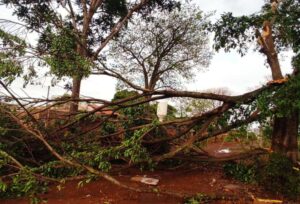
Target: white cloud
237,7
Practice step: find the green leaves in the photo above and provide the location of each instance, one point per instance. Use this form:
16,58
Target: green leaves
133,148
9,69
12,48
64,58
282,100
11,40
235,32
241,171
3,186
278,176
21,184
163,50
238,33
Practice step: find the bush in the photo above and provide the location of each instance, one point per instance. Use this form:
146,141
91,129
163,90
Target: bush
277,175
199,198
280,177
241,172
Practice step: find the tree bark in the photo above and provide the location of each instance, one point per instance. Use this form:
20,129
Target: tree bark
75,94
284,136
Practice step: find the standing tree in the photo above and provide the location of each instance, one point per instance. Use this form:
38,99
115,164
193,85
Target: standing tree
73,33
161,50
280,31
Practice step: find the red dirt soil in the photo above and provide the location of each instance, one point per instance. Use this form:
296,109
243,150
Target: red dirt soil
202,178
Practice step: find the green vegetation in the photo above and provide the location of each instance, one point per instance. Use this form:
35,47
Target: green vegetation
277,175
281,177
241,172
199,199
36,151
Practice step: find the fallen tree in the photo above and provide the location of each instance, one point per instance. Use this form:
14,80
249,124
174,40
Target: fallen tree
79,150
97,157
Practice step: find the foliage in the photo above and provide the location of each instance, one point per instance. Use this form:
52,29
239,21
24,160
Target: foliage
199,199
135,115
11,136
191,106
63,58
57,170
140,115
59,46
11,50
130,149
33,178
242,134
279,176
280,101
108,128
70,34
162,50
23,181
22,184
134,150
241,172
237,32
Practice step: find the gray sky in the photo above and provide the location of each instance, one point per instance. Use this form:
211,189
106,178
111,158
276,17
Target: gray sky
238,74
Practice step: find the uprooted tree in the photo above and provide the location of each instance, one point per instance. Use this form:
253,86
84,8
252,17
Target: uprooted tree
94,142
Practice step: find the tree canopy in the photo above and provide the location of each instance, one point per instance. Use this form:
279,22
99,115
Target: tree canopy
73,33
40,144
280,31
162,50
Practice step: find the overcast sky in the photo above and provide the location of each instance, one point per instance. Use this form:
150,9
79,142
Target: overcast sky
238,74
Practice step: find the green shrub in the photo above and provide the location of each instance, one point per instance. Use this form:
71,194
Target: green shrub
280,177
276,176
199,198
22,184
241,172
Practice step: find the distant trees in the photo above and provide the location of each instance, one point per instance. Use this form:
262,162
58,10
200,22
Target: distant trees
191,106
161,50
142,111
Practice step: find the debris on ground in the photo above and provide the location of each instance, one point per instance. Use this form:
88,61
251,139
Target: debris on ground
145,180
226,151
232,187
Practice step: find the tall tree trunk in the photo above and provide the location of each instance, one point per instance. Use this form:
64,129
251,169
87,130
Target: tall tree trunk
75,94
284,136
77,80
285,129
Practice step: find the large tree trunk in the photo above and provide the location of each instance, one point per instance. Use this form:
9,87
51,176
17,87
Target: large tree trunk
285,129
77,81
284,136
75,94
